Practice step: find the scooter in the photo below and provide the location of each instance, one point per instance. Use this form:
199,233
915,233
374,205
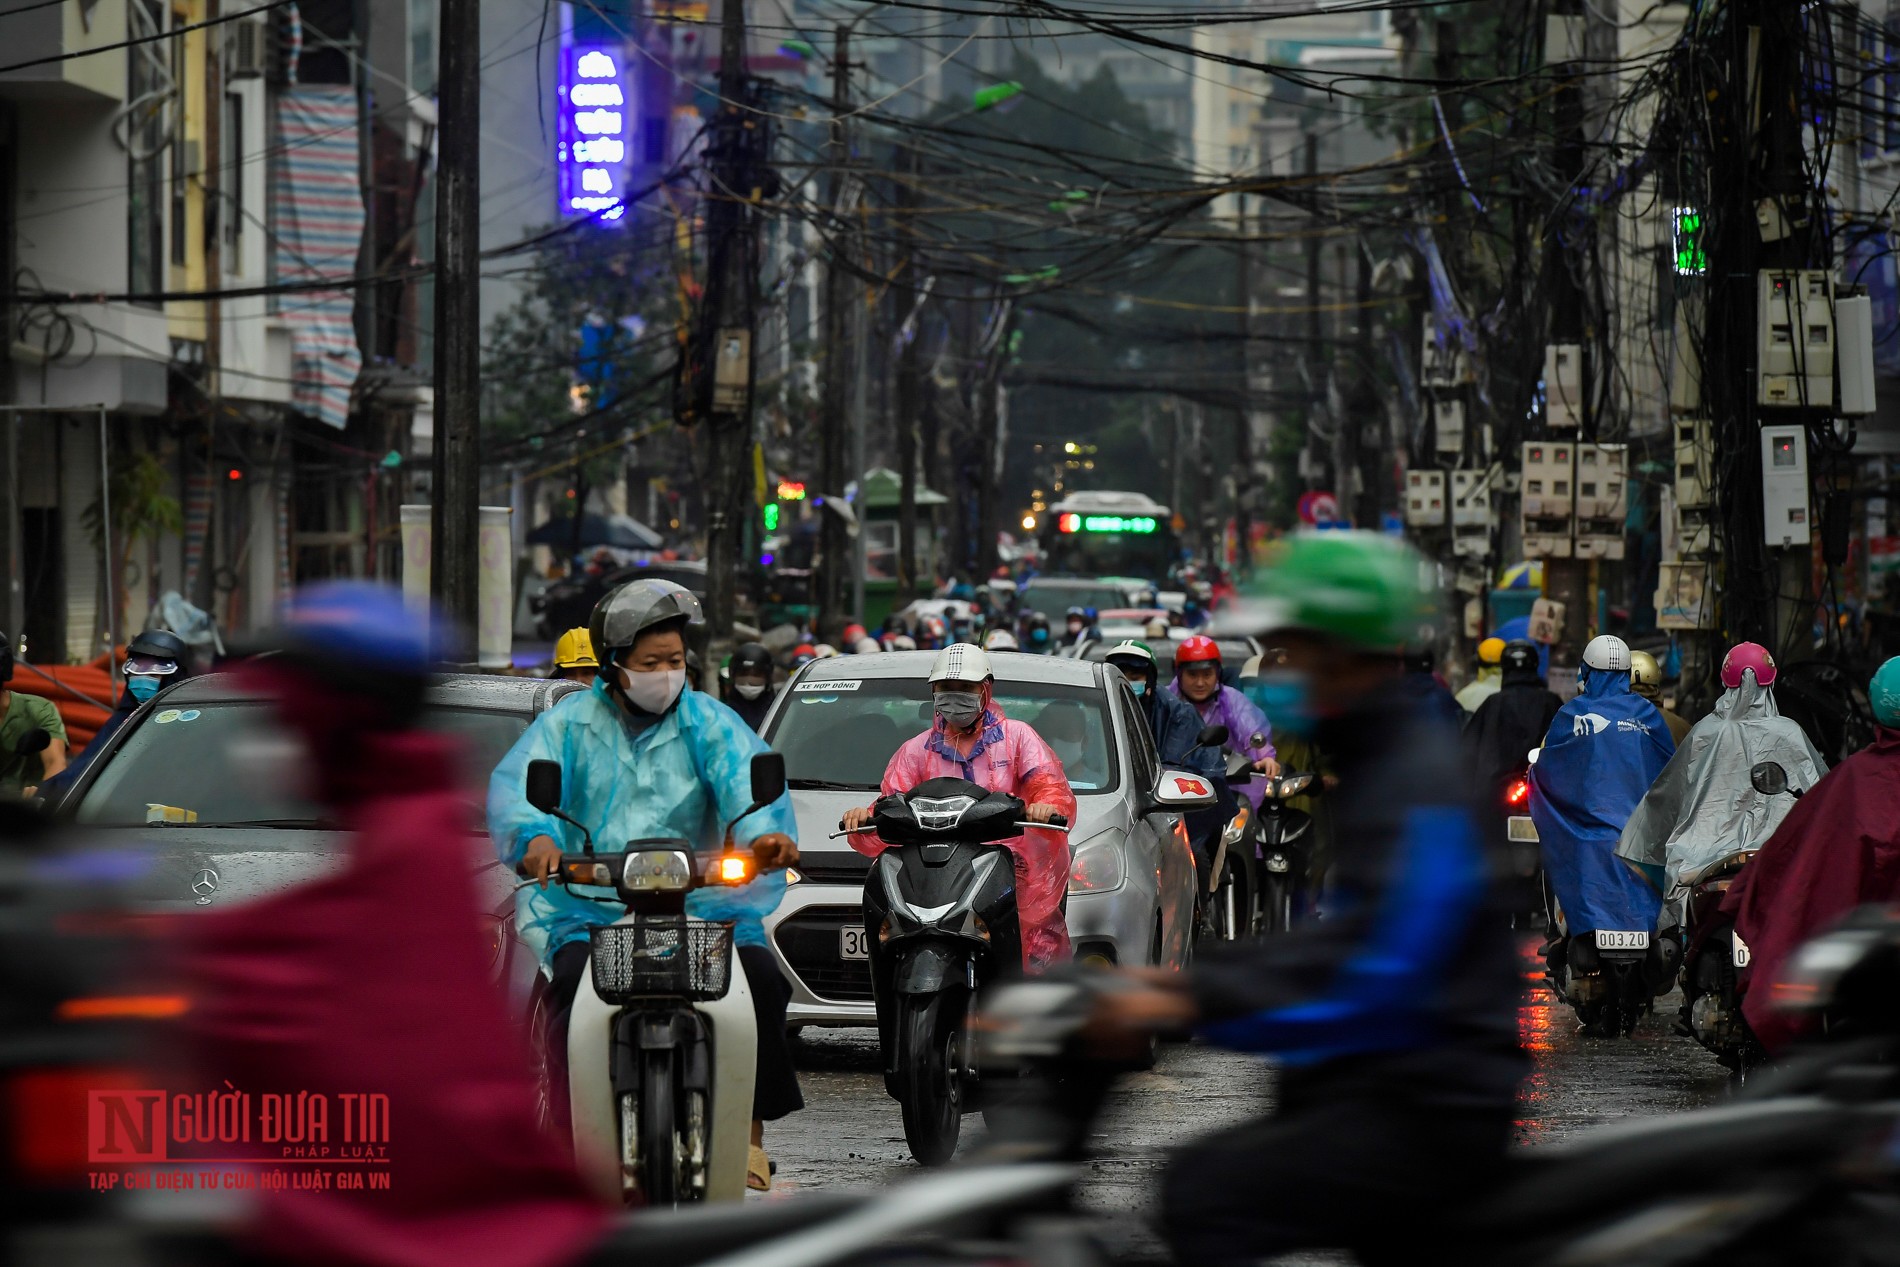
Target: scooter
940,923
1521,846
1286,842
1232,907
661,1042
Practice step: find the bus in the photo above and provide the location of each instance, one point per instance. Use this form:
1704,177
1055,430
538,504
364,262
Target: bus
1109,534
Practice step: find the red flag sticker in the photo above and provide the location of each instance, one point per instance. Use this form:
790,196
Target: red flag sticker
1190,787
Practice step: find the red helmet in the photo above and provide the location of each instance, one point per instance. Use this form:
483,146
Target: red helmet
1200,649
852,634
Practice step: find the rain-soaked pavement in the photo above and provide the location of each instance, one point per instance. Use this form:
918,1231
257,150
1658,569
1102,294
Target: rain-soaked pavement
850,1133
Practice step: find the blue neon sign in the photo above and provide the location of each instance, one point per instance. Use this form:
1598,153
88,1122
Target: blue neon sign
595,120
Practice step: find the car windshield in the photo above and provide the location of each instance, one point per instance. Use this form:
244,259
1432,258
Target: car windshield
182,759
1054,601
844,738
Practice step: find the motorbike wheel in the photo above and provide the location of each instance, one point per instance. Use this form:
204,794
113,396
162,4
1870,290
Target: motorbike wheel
1276,904
659,1141
930,1077
1231,903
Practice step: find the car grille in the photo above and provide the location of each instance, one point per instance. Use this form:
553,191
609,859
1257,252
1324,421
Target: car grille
809,942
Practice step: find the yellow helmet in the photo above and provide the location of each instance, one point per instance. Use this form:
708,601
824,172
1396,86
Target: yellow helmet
1645,675
1491,651
575,650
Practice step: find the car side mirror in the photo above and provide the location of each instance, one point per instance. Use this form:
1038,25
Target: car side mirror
1769,778
34,740
544,785
768,777
1184,792
1211,737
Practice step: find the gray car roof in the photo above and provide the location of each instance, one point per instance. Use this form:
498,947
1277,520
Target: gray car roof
452,690
1009,666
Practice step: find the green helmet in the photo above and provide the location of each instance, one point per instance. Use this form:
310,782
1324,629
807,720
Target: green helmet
1884,693
1366,589
1131,649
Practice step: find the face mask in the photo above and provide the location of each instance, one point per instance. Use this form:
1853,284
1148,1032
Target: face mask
1139,687
1075,626
142,686
653,692
1287,700
959,709
748,690
1039,635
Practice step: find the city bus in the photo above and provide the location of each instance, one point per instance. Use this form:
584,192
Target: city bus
1109,534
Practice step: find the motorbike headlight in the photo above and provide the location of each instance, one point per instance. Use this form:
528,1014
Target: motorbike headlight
1096,865
1236,827
1288,785
1276,863
657,871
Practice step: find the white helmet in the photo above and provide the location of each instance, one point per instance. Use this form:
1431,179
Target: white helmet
903,642
824,651
1609,653
960,662
1000,640
866,646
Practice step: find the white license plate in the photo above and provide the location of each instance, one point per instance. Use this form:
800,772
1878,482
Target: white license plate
1740,950
851,944
1608,939
1519,829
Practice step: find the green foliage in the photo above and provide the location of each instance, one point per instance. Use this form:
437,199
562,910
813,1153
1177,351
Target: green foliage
141,508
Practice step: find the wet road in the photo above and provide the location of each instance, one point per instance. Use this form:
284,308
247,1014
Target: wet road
850,1134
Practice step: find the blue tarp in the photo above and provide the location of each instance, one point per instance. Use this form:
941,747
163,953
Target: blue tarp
1605,748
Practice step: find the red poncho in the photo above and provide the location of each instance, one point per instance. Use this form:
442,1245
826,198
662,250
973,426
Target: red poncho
1008,756
1838,848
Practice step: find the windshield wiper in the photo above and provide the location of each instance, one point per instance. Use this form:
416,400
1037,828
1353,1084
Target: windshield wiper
829,785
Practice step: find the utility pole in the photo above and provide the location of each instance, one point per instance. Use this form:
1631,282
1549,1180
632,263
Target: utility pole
838,358
988,409
909,388
1243,408
726,338
1315,322
454,564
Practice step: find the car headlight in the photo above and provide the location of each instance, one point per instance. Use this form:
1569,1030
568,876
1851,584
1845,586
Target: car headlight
1096,865
1236,827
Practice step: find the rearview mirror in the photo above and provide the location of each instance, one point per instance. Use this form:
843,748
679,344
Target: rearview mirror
768,777
1211,737
1769,778
1183,791
544,785
34,740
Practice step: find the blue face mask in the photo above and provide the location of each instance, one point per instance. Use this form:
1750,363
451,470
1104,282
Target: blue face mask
143,686
1287,700
1139,688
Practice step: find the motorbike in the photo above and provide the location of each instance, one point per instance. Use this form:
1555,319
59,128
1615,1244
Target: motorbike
1286,842
940,923
661,1041
1521,846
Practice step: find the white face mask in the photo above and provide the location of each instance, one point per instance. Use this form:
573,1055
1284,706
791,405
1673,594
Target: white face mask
655,691
748,690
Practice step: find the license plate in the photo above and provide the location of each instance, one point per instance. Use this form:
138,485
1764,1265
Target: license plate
1519,829
851,944
1608,939
1740,949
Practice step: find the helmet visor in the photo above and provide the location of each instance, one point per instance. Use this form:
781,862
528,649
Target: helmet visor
149,666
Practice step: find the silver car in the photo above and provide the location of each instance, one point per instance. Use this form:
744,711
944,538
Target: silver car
839,720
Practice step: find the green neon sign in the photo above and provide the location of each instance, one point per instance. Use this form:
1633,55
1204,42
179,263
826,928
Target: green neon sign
1118,523
1691,259
771,517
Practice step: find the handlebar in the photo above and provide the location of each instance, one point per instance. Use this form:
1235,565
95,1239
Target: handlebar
1058,822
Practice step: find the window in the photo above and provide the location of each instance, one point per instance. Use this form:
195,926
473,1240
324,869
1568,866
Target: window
149,105
422,45
180,170
231,183
1144,764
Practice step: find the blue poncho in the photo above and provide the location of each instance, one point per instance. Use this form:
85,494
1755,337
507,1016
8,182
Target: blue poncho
1604,749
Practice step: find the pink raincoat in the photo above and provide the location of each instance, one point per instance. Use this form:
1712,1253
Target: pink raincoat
1008,757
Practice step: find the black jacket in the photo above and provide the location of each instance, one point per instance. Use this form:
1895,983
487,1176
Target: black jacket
1409,986
1506,727
752,710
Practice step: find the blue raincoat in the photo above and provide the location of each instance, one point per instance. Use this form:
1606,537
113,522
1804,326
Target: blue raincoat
1604,749
687,776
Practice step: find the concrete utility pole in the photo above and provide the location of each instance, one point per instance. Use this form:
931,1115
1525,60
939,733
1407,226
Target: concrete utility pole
454,564
730,302
908,393
1243,408
837,350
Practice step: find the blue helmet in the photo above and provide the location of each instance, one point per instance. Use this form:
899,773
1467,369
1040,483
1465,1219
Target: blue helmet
358,628
1089,614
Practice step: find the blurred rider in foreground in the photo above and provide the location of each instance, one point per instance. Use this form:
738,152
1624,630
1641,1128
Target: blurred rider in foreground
971,739
1838,848
1394,1019
375,976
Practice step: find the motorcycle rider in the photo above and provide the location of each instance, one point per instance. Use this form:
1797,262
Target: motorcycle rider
642,757
1500,735
749,686
1646,680
1395,1018
394,987
1000,640
1076,626
1197,680
1703,810
21,773
1421,681
153,661
574,657
1838,848
1489,677
1603,750
972,739
1036,640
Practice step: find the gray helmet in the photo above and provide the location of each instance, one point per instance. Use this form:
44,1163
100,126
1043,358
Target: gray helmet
625,613
159,644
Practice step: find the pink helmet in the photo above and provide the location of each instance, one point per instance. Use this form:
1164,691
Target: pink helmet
1748,655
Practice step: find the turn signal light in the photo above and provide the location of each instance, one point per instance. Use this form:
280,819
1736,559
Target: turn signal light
733,869
132,1007
1518,792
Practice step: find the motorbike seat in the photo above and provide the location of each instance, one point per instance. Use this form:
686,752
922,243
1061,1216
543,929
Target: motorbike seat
697,1234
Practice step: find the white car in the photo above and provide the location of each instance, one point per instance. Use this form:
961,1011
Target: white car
1131,885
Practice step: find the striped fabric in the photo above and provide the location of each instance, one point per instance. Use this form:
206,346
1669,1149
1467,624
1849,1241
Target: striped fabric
197,523
319,220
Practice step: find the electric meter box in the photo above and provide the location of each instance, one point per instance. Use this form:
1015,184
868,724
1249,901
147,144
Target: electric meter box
1854,334
1794,318
1470,543
1442,362
1547,498
1694,463
1784,486
1448,426
1602,500
1425,499
1683,597
1563,386
1470,499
